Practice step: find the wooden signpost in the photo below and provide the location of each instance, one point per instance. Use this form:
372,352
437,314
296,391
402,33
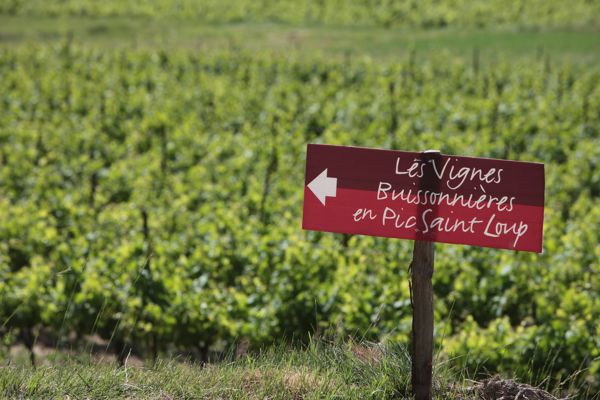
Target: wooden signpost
427,197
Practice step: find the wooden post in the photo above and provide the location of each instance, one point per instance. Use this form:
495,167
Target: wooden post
421,269
421,293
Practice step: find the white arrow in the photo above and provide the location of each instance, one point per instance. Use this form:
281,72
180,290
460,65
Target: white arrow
323,186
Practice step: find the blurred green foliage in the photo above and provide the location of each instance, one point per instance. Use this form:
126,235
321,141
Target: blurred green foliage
154,197
410,13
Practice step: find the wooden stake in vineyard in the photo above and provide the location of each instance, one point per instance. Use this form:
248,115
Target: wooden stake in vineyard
421,272
427,197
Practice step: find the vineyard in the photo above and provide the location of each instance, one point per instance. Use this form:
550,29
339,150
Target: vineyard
151,199
154,199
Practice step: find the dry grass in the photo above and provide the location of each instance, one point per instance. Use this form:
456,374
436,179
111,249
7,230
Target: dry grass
507,389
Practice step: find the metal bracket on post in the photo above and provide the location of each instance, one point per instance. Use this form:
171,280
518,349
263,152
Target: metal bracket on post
421,273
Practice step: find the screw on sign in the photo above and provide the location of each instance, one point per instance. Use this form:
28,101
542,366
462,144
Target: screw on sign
427,197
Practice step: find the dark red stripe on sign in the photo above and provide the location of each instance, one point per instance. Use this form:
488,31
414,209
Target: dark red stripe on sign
424,196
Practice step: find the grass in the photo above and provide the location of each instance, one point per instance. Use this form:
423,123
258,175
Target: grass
566,45
319,371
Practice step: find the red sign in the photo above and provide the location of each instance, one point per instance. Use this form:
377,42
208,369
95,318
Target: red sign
424,196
